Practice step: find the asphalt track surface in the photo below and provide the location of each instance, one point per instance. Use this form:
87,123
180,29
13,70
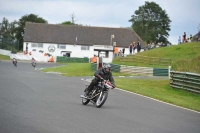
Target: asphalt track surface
35,102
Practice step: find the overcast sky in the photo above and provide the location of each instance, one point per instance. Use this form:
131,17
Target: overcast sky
184,14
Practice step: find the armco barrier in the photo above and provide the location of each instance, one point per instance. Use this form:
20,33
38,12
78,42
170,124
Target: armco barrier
135,70
160,72
184,80
71,59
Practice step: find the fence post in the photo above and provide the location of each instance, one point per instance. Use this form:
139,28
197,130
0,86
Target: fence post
169,69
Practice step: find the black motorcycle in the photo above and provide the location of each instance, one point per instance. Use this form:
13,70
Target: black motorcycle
98,95
33,63
15,62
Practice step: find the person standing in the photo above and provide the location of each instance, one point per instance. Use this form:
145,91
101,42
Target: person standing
184,37
123,51
131,48
138,46
179,40
116,51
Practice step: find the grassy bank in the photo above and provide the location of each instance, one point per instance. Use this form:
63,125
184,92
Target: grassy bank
185,57
4,57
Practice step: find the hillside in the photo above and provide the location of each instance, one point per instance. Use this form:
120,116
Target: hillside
185,57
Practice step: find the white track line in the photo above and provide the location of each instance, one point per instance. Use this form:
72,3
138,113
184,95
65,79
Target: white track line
152,99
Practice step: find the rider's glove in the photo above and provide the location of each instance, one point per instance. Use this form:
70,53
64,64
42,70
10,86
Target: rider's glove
113,84
98,76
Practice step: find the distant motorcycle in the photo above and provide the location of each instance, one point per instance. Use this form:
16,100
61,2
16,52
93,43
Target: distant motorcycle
99,94
15,62
33,63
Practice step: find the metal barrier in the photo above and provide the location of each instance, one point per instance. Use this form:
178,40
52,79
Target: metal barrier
184,80
135,70
71,59
114,67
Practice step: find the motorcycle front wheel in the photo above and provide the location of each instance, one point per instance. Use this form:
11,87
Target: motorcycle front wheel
101,99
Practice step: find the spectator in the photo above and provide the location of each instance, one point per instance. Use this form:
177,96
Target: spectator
191,38
184,37
120,53
188,40
115,51
134,47
94,59
138,46
131,48
179,40
123,51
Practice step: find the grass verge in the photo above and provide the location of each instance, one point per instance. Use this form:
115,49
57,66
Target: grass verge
77,69
4,57
160,89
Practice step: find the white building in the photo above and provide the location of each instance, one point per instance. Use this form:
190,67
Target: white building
76,41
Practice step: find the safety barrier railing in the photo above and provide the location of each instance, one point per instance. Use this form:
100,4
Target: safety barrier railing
135,70
185,80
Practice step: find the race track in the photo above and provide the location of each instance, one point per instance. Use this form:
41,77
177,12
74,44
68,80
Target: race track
35,102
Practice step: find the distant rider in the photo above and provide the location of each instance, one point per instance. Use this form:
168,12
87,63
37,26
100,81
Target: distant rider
14,60
32,60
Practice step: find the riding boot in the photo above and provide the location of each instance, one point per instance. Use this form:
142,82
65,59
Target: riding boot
91,86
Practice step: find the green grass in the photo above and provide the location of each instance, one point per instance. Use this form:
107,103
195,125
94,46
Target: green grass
4,57
160,89
185,57
77,69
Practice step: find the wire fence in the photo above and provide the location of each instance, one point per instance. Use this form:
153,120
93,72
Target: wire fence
9,44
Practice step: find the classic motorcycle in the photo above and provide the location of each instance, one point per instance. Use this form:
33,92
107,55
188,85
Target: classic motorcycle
15,62
99,93
33,63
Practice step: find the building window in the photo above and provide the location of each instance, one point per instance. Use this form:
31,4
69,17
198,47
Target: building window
35,45
85,47
40,45
61,46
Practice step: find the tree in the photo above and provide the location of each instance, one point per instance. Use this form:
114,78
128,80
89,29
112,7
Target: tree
7,29
21,24
68,23
7,34
151,22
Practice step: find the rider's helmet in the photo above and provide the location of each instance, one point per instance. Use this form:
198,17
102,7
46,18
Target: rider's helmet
106,68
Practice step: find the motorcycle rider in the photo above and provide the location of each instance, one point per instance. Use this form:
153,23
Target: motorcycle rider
14,60
32,60
103,73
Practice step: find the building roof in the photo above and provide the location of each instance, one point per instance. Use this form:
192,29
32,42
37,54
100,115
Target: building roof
79,35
